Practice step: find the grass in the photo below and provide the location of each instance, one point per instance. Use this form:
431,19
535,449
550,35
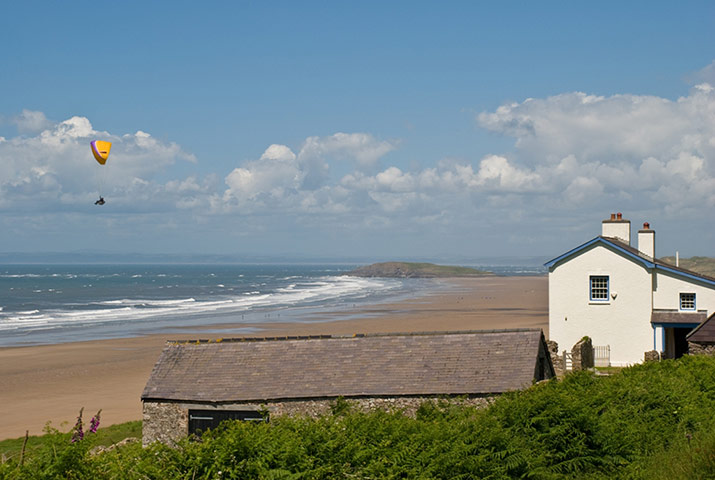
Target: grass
105,436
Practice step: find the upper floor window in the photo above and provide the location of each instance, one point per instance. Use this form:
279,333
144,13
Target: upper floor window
599,288
687,301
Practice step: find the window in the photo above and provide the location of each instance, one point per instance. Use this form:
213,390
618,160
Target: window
599,288
687,301
202,420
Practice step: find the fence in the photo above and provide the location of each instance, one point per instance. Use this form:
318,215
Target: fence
601,357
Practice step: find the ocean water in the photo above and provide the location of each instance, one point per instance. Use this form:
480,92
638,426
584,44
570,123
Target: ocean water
44,304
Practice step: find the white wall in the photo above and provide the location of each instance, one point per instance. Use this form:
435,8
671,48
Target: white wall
669,286
623,322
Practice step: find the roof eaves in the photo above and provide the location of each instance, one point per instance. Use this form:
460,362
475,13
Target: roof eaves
607,241
685,273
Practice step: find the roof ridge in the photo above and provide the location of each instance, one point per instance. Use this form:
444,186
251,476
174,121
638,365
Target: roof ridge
202,341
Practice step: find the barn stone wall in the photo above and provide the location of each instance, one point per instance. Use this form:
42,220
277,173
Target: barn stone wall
701,348
168,422
164,422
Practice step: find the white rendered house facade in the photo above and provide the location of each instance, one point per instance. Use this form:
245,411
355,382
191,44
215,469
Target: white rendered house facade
622,297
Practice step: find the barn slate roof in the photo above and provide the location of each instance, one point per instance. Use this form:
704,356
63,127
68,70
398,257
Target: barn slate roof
243,370
704,333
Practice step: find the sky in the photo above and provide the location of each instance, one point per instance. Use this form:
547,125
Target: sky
403,130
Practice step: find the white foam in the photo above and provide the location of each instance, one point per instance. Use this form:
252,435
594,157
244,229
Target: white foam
142,309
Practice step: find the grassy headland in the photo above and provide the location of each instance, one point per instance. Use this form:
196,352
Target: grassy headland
415,270
701,265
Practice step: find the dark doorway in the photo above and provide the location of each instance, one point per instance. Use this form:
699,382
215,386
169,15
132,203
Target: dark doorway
202,420
676,344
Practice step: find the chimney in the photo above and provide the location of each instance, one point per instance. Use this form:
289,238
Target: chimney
618,228
646,241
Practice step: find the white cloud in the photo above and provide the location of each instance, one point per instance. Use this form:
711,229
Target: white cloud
497,171
362,148
56,167
30,121
637,149
267,181
705,75
572,153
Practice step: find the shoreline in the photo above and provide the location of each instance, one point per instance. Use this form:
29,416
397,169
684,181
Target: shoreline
52,382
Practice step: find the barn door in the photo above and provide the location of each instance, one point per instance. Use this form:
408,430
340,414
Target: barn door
202,420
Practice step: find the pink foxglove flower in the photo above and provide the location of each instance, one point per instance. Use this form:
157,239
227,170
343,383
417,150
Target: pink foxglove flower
94,423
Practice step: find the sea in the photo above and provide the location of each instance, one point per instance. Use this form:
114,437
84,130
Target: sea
49,304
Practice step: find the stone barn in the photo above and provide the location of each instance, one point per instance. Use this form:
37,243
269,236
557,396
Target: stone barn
197,384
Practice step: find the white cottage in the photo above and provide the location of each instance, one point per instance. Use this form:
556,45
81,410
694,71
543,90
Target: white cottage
623,297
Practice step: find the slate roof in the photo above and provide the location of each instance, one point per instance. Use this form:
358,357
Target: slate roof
634,254
705,332
242,370
676,317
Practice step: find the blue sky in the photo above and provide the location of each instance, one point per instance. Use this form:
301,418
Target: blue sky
364,129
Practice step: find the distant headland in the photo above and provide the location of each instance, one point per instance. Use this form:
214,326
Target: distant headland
415,270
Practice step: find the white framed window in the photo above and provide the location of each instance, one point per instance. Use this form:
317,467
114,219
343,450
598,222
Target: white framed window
598,288
687,301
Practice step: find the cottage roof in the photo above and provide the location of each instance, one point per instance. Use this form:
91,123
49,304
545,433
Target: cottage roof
632,253
242,370
705,332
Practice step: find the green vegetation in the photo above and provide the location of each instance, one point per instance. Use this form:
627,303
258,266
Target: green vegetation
701,265
10,449
650,421
415,270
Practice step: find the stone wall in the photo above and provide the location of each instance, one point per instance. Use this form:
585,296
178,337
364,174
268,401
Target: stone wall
168,422
582,355
701,349
651,356
556,360
164,422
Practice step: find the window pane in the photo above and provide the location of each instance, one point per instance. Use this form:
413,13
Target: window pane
687,301
599,287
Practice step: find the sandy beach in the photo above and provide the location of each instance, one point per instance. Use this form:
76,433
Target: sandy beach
51,383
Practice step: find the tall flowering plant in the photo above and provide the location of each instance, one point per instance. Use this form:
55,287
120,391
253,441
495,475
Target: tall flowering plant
94,423
78,430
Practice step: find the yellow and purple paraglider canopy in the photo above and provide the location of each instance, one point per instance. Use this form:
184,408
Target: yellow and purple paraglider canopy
100,150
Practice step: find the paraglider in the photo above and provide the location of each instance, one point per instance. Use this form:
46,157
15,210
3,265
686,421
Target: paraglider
100,150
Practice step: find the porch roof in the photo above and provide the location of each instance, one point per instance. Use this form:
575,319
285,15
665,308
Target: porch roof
678,317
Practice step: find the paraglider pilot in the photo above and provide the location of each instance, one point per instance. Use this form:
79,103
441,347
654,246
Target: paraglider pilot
100,201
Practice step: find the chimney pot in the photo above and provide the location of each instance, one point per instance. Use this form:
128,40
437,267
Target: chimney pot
617,227
646,226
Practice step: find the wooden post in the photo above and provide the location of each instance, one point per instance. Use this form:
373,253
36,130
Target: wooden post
24,444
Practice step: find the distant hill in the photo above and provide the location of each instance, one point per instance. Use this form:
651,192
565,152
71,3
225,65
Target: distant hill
701,265
415,270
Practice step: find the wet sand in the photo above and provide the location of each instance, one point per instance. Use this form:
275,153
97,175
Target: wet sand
51,383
